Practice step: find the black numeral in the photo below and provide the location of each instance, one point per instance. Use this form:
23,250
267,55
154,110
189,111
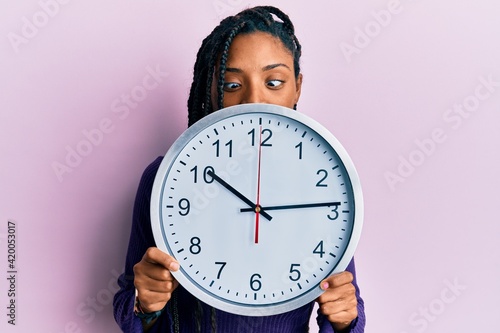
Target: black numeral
195,173
206,177
255,283
252,134
319,249
229,144
222,265
264,140
299,147
295,271
268,134
195,247
336,215
323,174
184,206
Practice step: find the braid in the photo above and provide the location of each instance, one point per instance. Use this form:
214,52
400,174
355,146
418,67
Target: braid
222,65
175,312
198,316
215,48
207,104
290,29
213,319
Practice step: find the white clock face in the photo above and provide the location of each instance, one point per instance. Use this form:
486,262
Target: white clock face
258,203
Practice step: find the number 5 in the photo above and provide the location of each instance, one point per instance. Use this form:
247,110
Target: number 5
294,270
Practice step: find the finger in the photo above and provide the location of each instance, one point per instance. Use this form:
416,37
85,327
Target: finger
153,301
146,270
151,274
338,300
341,320
156,256
338,287
154,294
157,291
155,285
343,294
340,311
337,280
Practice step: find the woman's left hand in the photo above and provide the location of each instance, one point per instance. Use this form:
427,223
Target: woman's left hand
338,303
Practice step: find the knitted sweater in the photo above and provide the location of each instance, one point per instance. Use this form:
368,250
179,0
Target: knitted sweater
187,313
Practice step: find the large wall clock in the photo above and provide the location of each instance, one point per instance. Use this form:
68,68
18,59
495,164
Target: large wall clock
258,203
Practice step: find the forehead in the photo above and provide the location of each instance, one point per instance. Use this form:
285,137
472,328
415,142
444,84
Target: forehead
257,48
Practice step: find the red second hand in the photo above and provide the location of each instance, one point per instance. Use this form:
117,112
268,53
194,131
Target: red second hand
257,204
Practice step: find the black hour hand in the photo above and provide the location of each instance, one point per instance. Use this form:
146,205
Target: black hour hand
231,189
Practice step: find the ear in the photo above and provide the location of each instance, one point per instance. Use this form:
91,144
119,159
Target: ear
298,88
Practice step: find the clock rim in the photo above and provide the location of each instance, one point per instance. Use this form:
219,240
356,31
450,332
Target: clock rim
175,149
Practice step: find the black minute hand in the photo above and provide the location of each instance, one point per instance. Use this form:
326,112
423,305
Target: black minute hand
253,206
309,205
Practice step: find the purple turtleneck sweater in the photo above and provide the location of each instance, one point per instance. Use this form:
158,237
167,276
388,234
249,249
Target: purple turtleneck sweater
185,319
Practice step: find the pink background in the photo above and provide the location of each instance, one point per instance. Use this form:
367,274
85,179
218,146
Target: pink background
386,77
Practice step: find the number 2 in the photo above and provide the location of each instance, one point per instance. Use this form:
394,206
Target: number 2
320,182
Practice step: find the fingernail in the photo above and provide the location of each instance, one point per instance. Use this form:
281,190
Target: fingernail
174,266
324,285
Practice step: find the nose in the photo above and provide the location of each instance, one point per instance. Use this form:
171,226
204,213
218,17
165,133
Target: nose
253,94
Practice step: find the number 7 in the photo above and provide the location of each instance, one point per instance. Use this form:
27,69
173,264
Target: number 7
223,264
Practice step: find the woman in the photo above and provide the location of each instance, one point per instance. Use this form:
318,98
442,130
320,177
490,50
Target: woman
252,57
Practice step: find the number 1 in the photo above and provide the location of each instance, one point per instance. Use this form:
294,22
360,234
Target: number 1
299,147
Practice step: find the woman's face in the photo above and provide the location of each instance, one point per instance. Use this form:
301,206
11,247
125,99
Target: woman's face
259,69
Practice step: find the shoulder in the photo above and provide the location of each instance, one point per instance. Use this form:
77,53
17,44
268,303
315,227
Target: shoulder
148,178
149,173
152,168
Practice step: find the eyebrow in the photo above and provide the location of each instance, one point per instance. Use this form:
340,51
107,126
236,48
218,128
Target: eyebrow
273,66
264,69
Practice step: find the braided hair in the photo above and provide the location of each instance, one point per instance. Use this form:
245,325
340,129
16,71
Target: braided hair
215,48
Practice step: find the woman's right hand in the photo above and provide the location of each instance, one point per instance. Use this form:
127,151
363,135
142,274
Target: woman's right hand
153,280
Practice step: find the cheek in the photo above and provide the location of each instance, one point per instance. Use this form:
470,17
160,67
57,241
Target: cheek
230,100
289,98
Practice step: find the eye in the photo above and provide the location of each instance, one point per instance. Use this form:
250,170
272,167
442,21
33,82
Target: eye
274,84
231,86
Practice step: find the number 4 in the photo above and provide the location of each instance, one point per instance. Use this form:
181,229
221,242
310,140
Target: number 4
319,249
